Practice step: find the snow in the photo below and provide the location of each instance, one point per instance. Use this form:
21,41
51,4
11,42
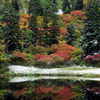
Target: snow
33,70
17,69
23,79
60,12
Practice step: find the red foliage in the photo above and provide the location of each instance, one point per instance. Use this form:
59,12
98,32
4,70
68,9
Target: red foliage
63,54
94,58
63,31
88,59
78,13
18,54
38,56
66,94
39,90
67,19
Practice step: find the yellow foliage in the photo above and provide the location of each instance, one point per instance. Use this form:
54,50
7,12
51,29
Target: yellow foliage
61,39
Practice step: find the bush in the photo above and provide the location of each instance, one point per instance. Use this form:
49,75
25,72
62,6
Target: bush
76,56
94,60
18,58
4,62
48,60
34,50
77,13
63,54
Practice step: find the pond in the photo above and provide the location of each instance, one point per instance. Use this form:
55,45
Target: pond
23,88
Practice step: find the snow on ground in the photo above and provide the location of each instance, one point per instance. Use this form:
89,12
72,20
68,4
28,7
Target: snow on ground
27,78
32,70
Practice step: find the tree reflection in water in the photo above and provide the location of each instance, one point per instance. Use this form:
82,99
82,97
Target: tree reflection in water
50,90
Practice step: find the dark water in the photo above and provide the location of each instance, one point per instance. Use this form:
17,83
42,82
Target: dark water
50,89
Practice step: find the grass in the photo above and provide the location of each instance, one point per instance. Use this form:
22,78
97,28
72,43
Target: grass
77,68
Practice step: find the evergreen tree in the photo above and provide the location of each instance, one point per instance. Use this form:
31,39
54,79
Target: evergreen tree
34,11
91,36
10,28
79,5
71,37
66,6
48,8
50,15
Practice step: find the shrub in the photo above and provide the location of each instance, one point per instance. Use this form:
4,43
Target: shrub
34,50
49,60
76,56
38,56
18,58
4,62
76,53
77,13
30,59
95,59
63,54
61,39
18,54
45,60
67,19
2,48
63,31
57,59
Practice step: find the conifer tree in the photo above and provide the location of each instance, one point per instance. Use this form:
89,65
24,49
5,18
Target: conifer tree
79,5
34,11
66,6
10,28
91,34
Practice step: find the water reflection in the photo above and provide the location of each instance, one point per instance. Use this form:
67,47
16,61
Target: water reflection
50,89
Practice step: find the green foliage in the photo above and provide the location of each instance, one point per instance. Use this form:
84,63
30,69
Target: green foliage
34,50
10,28
79,5
77,54
66,6
3,63
71,37
30,59
91,35
26,37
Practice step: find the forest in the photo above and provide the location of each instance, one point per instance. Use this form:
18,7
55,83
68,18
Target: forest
32,34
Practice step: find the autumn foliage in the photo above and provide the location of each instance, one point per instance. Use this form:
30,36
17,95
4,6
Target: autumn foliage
56,93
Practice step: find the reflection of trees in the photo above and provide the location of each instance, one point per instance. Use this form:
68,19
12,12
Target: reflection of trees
49,89
53,92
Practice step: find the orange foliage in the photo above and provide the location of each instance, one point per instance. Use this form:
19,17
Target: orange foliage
63,31
18,54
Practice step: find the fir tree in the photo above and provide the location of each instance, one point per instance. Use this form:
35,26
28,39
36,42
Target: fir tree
10,28
34,11
79,5
66,6
91,34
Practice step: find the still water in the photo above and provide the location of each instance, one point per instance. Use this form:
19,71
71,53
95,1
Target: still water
49,89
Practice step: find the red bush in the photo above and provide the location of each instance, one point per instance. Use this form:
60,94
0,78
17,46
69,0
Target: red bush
63,31
94,58
78,13
38,56
63,54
